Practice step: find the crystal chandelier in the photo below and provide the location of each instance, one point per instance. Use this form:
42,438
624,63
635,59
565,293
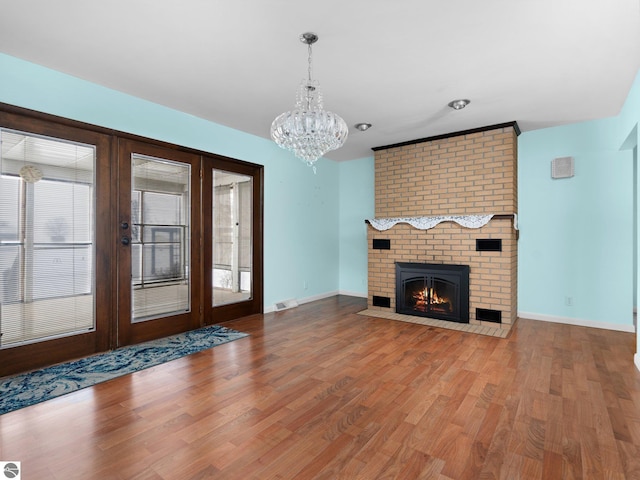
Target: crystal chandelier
308,130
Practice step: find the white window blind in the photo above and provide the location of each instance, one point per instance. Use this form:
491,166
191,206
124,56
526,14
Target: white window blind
160,233
232,237
46,238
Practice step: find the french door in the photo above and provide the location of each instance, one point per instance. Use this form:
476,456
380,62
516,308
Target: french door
107,240
190,241
233,235
56,280
159,254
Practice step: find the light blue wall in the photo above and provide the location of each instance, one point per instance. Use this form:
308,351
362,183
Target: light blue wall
573,231
301,226
629,119
576,237
356,204
301,209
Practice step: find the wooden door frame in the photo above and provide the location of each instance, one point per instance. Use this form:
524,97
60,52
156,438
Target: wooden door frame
40,354
129,333
47,352
223,313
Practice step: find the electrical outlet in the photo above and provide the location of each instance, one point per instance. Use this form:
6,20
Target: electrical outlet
305,285
568,301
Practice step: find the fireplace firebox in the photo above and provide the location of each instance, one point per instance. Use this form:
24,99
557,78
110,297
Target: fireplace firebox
433,290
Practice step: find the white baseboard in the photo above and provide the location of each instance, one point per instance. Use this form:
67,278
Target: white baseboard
577,321
313,298
269,309
353,294
318,297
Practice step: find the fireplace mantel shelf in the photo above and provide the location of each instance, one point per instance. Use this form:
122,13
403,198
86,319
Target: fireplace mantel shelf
425,223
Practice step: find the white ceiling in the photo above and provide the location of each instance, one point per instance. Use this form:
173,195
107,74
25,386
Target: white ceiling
395,64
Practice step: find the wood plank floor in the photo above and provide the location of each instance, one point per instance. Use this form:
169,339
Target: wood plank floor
319,392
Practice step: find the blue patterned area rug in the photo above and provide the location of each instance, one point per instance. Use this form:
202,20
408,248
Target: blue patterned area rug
26,389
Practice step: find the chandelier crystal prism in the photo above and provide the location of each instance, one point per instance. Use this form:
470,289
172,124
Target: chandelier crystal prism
309,131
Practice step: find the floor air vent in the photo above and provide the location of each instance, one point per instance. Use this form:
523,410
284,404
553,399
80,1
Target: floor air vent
286,304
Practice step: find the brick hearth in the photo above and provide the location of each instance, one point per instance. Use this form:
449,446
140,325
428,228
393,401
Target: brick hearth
463,174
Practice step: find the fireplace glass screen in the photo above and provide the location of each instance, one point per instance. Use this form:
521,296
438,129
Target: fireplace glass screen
431,290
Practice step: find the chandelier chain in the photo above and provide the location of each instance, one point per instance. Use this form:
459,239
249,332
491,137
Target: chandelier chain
310,63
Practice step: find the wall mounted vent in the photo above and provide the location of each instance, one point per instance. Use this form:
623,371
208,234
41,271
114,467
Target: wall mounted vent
381,244
381,301
562,167
487,315
488,245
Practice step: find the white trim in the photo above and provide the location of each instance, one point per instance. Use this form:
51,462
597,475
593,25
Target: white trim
636,360
313,298
578,321
318,297
353,294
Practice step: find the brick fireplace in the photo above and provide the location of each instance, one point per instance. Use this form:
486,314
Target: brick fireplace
462,174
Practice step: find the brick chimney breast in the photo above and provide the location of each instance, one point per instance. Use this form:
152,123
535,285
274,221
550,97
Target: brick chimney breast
470,173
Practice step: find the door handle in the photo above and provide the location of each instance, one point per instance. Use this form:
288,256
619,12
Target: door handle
125,241
124,225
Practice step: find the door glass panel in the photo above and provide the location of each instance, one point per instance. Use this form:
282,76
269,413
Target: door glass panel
160,237
232,247
47,211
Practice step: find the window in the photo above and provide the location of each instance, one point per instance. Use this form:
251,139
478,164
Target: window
160,212
232,237
46,238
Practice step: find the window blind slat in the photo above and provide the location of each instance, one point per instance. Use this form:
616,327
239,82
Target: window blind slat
46,238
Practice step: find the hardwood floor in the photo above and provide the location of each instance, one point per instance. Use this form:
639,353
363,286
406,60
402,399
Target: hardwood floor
319,392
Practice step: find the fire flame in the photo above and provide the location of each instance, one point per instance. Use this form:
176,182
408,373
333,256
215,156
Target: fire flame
428,298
